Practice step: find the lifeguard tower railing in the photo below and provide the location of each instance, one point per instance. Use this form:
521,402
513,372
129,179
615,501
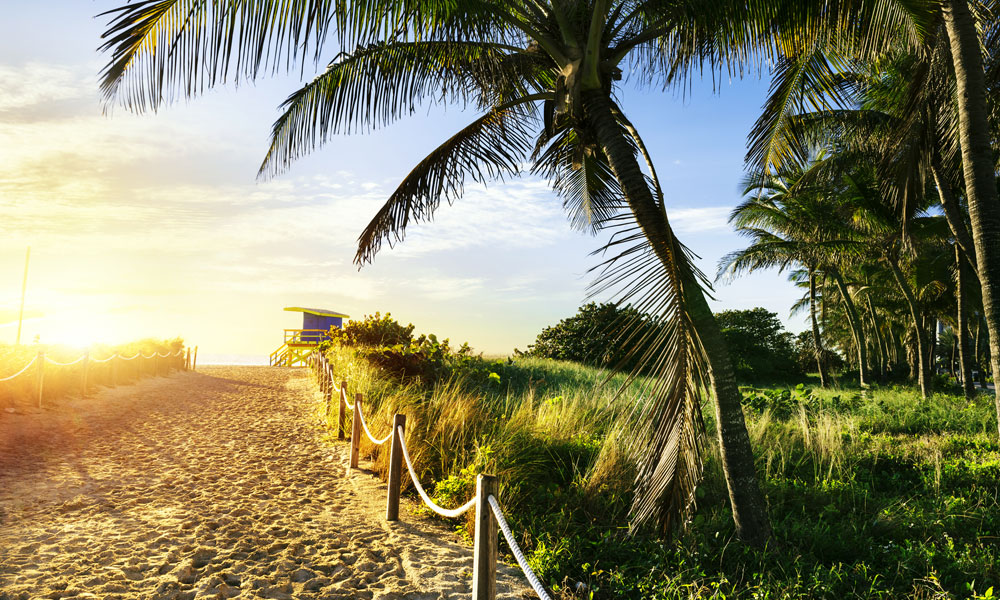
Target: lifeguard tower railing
297,347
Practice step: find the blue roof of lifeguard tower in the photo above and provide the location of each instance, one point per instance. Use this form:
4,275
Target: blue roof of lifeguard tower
319,312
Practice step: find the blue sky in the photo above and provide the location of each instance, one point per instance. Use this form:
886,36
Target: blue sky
155,225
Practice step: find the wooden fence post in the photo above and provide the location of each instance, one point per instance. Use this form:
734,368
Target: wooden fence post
114,369
328,397
41,376
356,431
343,410
194,360
395,468
484,561
86,367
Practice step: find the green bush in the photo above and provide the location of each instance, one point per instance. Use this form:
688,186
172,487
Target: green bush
873,493
373,330
600,335
760,348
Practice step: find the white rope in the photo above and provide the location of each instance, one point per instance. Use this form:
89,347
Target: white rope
133,357
150,356
444,512
505,528
102,360
61,364
21,372
369,433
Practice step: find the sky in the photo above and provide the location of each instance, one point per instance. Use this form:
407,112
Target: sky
155,225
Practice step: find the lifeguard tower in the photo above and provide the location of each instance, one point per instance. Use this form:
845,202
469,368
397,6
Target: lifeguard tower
299,343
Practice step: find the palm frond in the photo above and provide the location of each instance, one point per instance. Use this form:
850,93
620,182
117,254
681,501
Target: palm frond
162,49
491,147
382,82
668,447
580,174
819,80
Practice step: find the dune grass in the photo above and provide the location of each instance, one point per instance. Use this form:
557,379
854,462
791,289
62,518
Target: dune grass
873,494
60,381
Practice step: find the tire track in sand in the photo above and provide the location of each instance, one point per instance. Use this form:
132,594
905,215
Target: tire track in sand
215,484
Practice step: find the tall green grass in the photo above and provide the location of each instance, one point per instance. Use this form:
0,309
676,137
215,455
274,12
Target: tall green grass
874,493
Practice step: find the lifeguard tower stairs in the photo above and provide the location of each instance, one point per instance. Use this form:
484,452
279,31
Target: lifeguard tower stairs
299,343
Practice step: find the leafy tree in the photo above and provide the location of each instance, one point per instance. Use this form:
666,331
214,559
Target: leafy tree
761,347
805,354
591,336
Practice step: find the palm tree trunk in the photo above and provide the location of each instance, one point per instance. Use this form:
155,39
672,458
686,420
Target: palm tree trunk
749,508
923,375
962,329
978,165
932,336
978,352
817,339
855,323
883,353
953,212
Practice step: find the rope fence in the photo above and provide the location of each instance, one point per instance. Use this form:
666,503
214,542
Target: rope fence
488,517
156,363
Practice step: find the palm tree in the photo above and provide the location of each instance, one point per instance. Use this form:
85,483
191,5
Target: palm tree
939,33
542,76
978,163
790,223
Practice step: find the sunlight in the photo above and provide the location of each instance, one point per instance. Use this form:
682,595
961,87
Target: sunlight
78,330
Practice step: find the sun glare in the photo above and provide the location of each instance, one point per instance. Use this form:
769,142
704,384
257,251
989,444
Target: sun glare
76,330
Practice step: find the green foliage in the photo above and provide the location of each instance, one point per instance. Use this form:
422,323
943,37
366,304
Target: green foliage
760,348
373,330
873,493
805,354
593,336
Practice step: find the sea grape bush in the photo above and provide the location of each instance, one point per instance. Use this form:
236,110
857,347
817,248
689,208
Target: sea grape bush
391,347
373,330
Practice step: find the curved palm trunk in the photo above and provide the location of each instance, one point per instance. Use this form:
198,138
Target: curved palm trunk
978,165
932,337
962,330
880,345
953,212
984,349
817,339
749,507
855,323
923,366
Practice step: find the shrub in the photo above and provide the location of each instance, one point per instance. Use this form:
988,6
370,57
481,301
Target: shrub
601,335
760,347
373,330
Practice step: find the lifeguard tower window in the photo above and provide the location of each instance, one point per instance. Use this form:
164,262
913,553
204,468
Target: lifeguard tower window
299,343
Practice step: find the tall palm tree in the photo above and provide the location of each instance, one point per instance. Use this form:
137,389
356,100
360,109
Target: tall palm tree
941,33
978,162
542,75
790,222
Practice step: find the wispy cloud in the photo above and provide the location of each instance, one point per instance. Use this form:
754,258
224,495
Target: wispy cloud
699,220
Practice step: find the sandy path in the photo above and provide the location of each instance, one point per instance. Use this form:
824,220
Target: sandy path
219,483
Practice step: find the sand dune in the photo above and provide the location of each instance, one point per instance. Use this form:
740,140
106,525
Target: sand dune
216,484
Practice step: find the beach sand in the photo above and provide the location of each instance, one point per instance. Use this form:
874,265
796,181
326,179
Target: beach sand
215,484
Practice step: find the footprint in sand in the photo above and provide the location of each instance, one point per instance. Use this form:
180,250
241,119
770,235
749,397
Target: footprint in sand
215,484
